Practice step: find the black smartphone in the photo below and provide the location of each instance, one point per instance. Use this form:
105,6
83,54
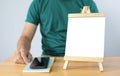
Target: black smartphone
40,63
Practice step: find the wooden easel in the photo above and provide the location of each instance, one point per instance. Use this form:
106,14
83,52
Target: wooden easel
85,13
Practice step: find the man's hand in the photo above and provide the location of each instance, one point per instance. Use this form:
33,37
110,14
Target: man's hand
22,57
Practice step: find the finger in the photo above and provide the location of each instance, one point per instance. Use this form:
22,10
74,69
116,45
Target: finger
16,58
29,57
20,62
25,58
19,59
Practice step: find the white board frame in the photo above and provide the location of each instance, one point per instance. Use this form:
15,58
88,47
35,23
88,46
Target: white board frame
77,57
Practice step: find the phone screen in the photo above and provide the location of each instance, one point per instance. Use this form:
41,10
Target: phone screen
40,63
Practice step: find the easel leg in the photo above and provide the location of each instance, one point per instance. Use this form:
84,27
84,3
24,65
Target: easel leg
100,66
65,65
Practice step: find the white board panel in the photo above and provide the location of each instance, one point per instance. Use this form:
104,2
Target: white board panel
85,37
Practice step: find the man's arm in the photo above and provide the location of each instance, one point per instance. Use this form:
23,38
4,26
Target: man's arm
23,55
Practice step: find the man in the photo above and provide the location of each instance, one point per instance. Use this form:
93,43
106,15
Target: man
52,17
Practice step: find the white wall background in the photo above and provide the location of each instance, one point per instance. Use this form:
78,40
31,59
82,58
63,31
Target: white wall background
12,17
13,13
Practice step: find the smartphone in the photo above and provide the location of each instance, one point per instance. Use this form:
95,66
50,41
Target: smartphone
40,63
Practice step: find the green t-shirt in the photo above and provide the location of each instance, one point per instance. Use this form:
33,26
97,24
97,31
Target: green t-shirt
52,15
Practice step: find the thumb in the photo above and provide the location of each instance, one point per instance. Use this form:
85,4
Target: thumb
30,57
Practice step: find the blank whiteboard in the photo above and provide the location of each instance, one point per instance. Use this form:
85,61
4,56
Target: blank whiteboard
85,37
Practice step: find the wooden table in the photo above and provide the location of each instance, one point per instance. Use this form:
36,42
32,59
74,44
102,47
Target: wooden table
111,68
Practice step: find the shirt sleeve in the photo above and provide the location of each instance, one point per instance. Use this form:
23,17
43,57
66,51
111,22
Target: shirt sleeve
33,15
